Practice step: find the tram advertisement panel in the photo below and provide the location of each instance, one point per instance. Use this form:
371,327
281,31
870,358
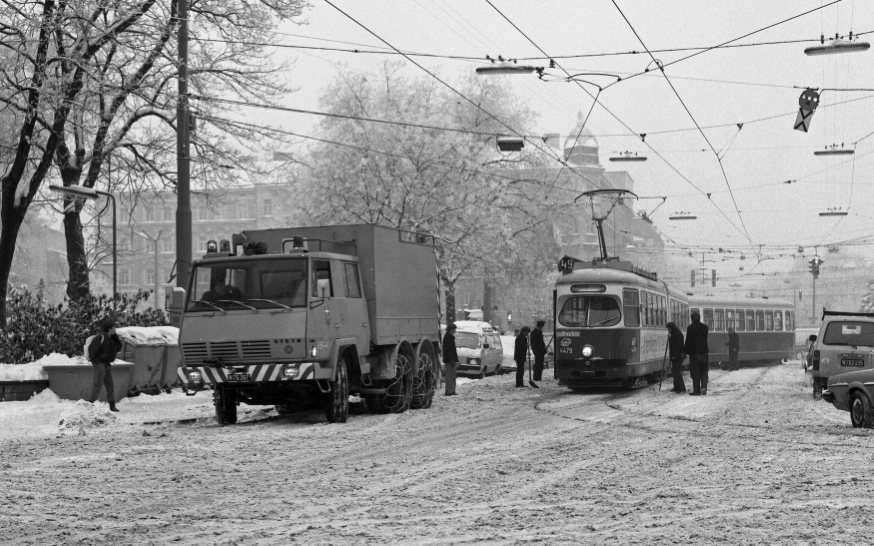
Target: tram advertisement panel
613,344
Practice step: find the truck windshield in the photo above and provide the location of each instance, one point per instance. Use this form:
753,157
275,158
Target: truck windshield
260,284
589,311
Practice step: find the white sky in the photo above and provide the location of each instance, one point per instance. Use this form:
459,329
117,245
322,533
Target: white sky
725,86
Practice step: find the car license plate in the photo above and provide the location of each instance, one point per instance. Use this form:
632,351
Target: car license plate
860,362
238,377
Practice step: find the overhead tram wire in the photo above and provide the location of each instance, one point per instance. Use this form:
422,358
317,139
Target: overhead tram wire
661,68
659,155
245,125
386,51
462,95
725,44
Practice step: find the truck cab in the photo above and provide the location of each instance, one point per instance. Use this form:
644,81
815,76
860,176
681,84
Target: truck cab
302,325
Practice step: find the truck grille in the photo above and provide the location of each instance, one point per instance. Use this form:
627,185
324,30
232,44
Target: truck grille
236,351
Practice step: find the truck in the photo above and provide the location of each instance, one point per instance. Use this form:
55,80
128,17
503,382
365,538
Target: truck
304,317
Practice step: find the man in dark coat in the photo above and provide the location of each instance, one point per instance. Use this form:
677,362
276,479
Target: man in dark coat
450,358
733,349
101,352
520,354
696,348
538,347
675,347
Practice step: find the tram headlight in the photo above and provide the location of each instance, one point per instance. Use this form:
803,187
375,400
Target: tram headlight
587,351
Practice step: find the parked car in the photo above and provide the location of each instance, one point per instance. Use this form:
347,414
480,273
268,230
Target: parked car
851,391
845,343
479,348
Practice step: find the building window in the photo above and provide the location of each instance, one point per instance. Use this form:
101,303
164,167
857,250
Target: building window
150,276
124,276
168,214
150,214
267,205
251,210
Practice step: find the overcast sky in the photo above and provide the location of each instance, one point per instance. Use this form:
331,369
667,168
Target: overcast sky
757,86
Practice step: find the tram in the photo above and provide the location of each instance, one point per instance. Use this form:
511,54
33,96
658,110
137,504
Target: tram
765,328
610,319
610,323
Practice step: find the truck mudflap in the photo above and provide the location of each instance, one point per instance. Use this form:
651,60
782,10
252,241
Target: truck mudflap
255,373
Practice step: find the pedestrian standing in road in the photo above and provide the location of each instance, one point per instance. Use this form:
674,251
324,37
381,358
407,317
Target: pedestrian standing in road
520,354
733,344
101,352
450,358
538,347
696,348
675,348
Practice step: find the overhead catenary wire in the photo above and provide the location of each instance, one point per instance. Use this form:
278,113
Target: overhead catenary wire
692,117
648,145
463,96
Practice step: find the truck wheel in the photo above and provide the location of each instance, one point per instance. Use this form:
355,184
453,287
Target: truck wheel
225,406
398,391
860,411
424,383
337,403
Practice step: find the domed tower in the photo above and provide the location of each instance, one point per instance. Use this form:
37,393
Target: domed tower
582,150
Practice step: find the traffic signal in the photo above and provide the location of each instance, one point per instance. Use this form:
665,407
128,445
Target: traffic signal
811,264
693,278
713,277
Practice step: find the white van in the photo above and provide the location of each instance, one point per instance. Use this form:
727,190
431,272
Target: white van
479,348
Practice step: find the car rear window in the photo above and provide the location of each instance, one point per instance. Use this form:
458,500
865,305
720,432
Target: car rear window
849,333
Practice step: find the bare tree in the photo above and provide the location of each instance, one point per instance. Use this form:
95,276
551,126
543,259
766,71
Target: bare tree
446,183
89,81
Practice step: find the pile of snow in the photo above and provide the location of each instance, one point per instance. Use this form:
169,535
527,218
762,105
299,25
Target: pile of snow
84,414
152,335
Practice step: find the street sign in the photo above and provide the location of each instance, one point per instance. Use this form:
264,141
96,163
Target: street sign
807,103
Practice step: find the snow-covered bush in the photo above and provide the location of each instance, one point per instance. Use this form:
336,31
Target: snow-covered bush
35,329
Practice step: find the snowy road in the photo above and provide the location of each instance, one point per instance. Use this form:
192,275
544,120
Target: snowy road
755,461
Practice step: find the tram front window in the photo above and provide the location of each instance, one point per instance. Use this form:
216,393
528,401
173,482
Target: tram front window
589,312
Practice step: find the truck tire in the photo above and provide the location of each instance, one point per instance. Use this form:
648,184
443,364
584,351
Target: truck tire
424,383
225,406
398,391
337,403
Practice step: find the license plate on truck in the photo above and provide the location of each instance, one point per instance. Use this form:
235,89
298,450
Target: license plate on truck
238,377
860,362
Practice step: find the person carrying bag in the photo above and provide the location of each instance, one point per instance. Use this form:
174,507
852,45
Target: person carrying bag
101,353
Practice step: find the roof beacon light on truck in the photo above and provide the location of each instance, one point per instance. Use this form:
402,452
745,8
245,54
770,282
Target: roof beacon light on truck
211,246
298,245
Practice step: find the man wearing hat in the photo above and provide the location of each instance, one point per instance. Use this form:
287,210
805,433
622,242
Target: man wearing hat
450,358
538,347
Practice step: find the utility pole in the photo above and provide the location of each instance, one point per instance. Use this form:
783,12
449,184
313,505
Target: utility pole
183,160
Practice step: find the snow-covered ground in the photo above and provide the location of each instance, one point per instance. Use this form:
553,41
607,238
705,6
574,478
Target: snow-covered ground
755,461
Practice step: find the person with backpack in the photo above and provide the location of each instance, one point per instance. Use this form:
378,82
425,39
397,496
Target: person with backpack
101,353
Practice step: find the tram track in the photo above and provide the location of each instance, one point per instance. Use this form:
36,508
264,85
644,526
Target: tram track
708,428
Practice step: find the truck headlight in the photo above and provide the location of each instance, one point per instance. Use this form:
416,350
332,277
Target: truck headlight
473,361
313,351
587,351
195,377
290,371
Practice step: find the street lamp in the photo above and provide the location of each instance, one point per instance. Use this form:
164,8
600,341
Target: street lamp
837,46
155,239
507,68
81,192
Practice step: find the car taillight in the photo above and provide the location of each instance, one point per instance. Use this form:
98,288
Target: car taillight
816,360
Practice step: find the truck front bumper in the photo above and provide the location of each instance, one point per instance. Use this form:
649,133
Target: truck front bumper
197,378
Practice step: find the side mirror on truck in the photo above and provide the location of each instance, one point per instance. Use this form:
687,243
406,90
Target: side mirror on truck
812,338
174,303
